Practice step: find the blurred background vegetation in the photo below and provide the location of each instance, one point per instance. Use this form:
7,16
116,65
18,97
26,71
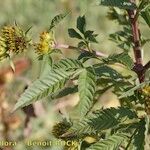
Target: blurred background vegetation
38,14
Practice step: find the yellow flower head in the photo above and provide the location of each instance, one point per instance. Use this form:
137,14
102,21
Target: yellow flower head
146,90
46,43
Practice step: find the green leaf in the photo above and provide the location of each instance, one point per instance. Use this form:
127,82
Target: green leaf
125,46
143,4
101,120
86,55
68,64
122,58
66,91
123,38
86,88
123,4
81,24
88,33
146,15
115,13
54,81
57,19
132,90
74,34
111,143
106,71
90,36
46,64
81,44
138,139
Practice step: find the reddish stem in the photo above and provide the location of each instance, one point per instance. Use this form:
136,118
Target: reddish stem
138,68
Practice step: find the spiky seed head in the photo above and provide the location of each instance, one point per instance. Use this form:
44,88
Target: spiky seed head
60,128
12,41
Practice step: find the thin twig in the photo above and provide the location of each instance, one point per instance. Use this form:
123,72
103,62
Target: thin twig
65,46
147,66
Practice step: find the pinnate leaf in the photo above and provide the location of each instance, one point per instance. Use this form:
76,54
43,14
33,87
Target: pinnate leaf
87,87
53,81
123,4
